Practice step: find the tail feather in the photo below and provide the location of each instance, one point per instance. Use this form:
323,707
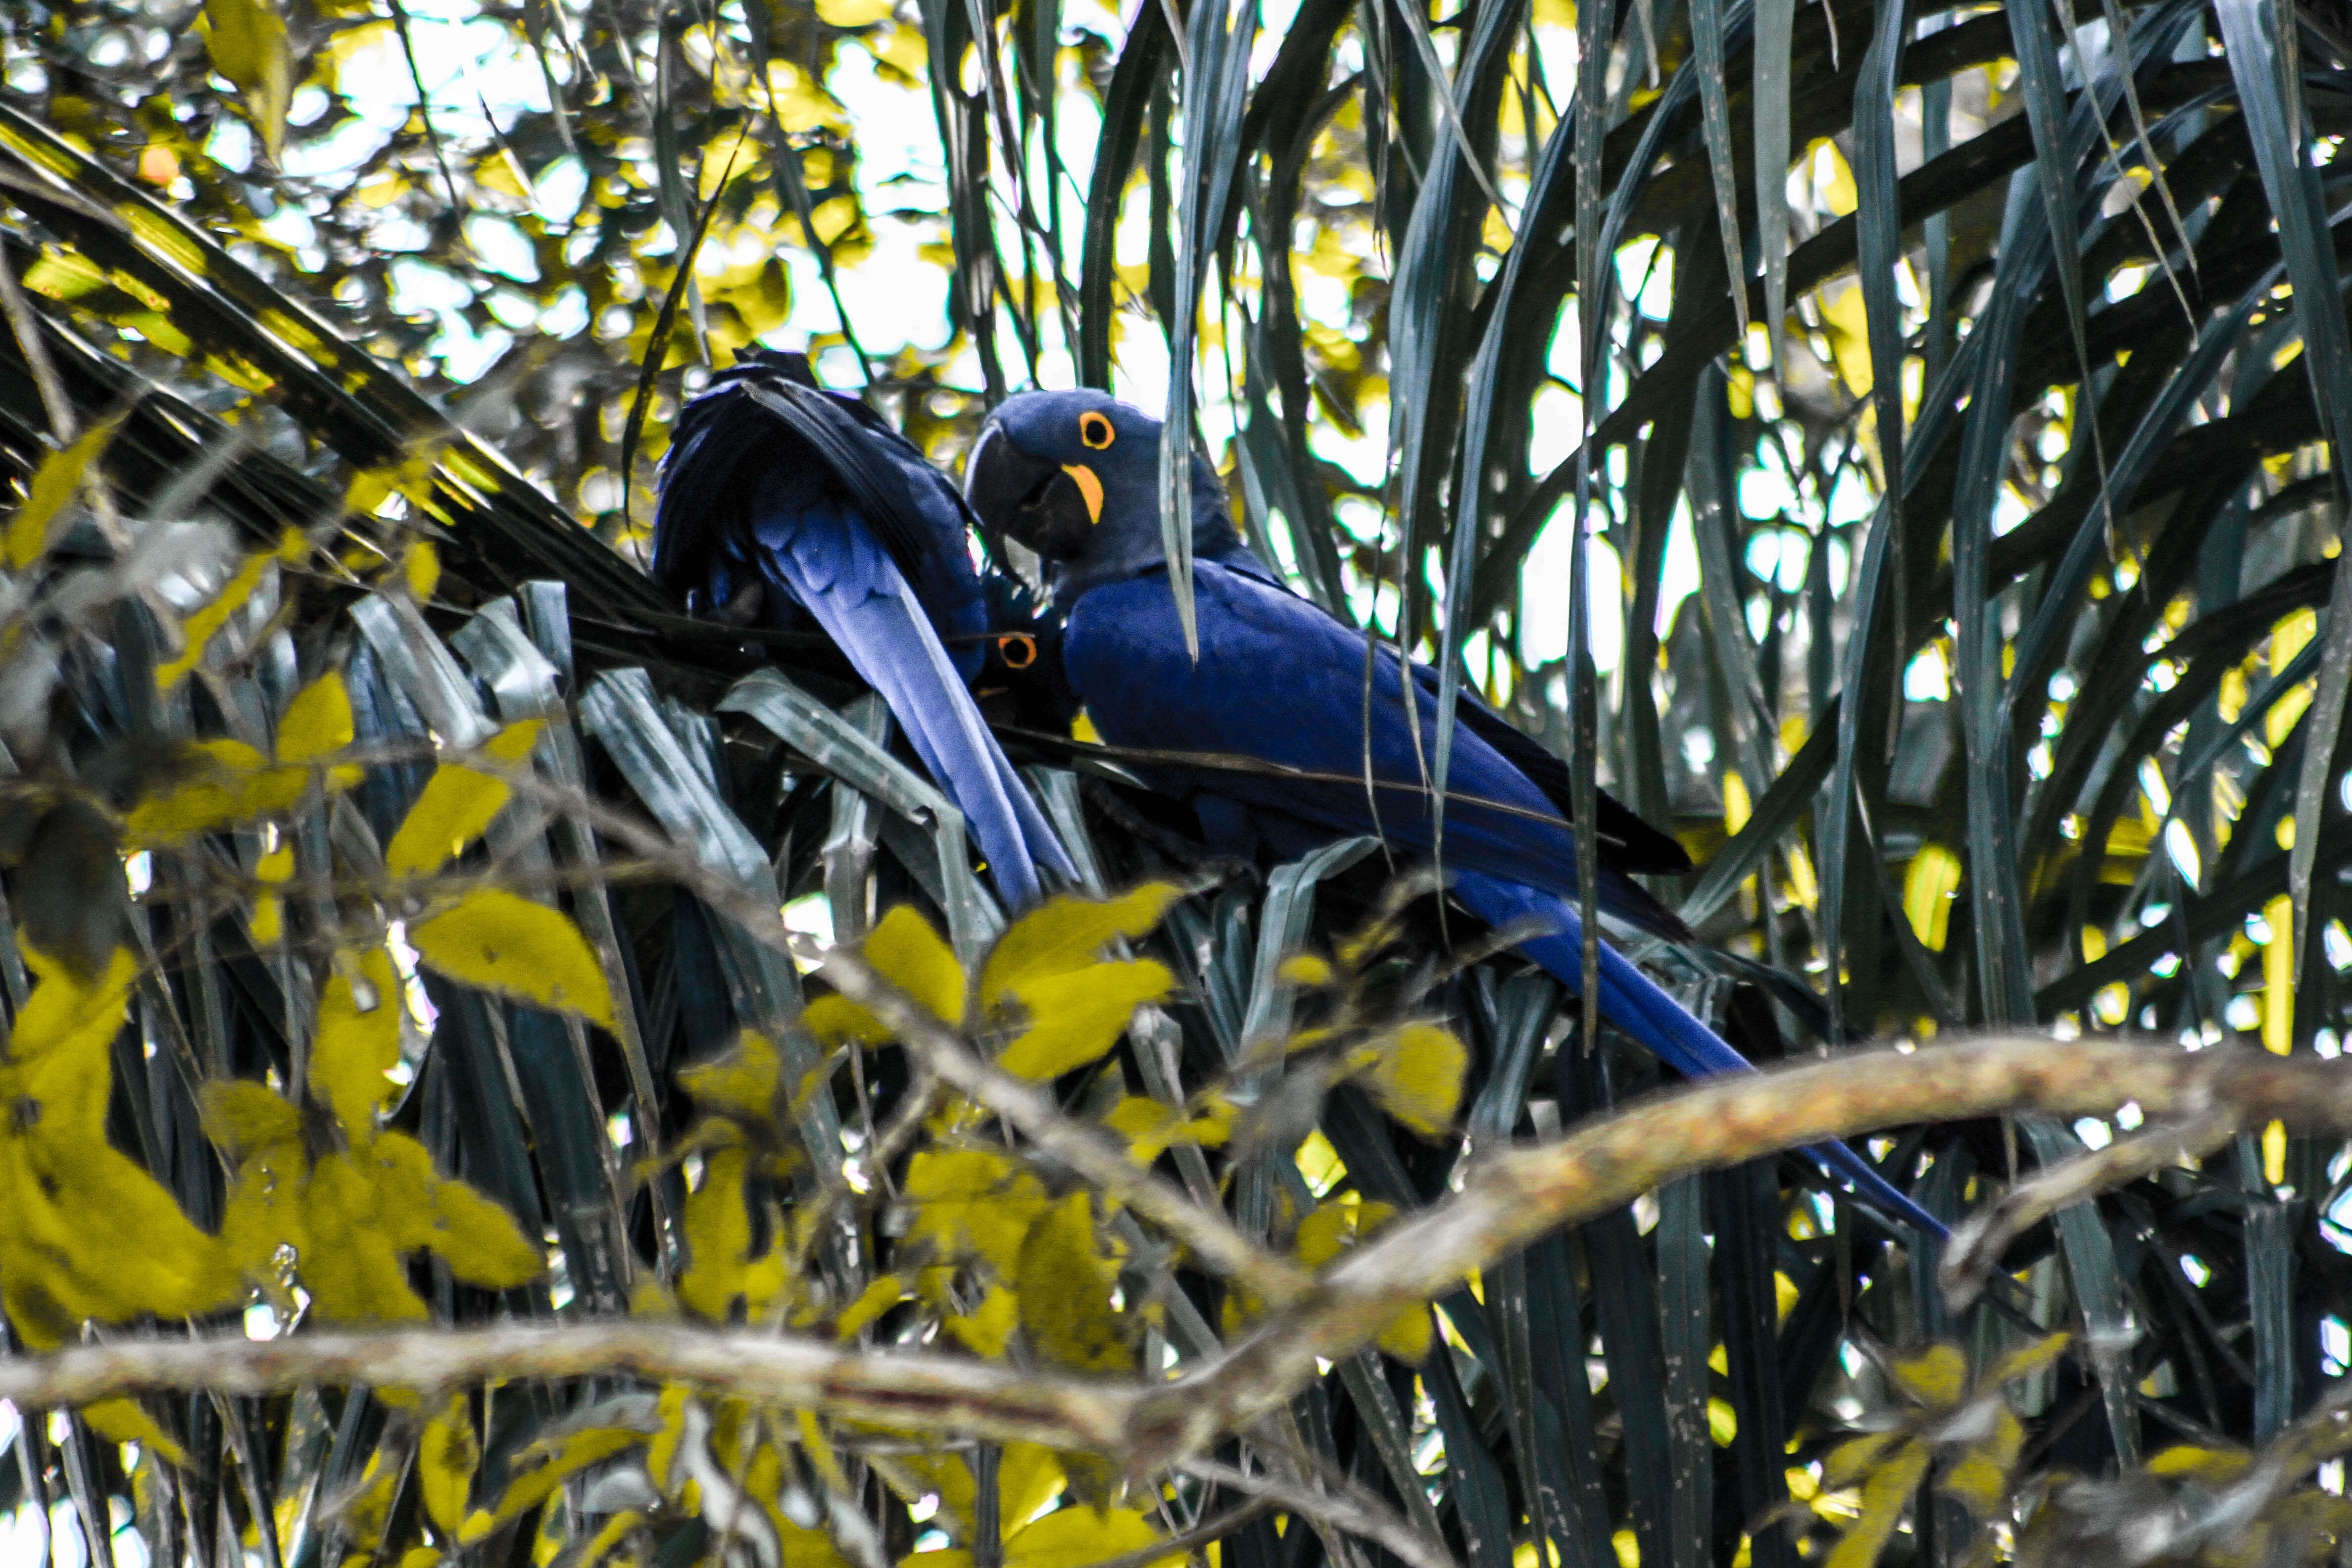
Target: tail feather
1635,1004
894,648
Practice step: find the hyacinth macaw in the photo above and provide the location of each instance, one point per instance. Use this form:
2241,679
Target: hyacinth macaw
1074,476
787,507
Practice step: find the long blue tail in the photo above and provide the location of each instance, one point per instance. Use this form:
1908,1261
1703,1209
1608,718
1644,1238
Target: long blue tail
1634,1002
871,615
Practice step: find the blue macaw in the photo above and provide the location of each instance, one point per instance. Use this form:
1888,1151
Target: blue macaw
788,507
1074,476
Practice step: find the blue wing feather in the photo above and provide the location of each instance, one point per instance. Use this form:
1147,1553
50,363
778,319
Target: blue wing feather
849,530
1635,1004
1280,681
820,554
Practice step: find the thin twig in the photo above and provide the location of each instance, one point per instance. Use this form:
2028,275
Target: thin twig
1093,1154
1355,1516
1977,1244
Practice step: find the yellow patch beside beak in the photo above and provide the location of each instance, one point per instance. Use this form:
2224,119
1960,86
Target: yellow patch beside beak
1088,487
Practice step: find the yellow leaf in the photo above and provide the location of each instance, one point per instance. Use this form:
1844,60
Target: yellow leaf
122,1421
1079,1016
615,1529
1418,1077
479,1240
1151,1129
906,950
244,1118
972,1203
1074,1537
721,1269
54,483
1929,883
1409,1336
745,1080
1067,934
2217,1465
69,1016
987,1329
446,1458
357,1047
836,1020
1305,969
455,807
317,722
2026,1360
872,1303
560,1460
1936,1375
504,942
249,44
198,628
1884,1494
1979,1479
1337,1225
853,12
422,569
1065,1281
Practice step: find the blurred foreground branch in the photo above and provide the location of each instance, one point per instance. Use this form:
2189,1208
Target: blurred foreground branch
1509,1200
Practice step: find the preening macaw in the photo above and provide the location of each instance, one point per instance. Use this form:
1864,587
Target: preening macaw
787,507
1074,476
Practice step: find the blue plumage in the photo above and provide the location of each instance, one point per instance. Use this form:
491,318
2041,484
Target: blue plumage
787,507
1278,680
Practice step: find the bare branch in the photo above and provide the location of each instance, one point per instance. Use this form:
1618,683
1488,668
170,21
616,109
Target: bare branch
1513,1196
1356,1517
1978,1243
913,1391
1509,1199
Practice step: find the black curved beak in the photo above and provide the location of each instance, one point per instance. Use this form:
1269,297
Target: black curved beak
1000,479
1033,500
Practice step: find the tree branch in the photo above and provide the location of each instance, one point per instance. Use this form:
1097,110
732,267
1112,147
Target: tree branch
1514,1196
918,1391
1509,1199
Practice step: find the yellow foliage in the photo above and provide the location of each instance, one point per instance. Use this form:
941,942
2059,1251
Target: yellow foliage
447,1458
358,1044
1929,884
1417,1077
352,1215
502,942
227,783
85,1234
973,1206
1067,1538
1067,1273
54,484
248,41
1151,1129
456,805
718,1229
743,1081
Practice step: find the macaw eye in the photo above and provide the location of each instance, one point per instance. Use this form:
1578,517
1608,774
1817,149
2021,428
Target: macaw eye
1094,429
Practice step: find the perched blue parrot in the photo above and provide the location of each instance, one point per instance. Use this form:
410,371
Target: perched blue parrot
787,507
1074,476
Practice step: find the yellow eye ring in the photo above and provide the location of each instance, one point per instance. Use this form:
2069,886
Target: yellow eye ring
1094,430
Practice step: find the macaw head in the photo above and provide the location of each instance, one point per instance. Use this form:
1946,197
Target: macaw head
1075,476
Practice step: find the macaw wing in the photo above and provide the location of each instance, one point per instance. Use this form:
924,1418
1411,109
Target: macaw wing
1278,681
921,538
826,561
1635,1004
1627,842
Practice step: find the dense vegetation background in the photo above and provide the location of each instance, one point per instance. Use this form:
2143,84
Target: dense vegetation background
1960,583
